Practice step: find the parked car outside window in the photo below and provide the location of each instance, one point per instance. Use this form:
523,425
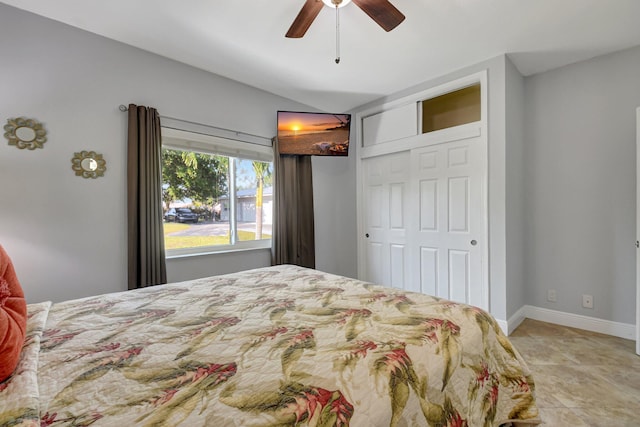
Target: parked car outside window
180,215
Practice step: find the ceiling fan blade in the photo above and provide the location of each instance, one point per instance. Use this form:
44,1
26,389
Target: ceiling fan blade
384,13
303,21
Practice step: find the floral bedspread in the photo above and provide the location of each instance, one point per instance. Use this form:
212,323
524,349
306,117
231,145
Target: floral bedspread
19,397
278,346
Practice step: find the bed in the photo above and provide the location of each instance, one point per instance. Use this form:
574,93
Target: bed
275,346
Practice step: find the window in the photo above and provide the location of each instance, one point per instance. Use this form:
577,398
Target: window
217,193
451,109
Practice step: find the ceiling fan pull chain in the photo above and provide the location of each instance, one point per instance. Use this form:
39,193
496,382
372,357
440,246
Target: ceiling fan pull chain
337,35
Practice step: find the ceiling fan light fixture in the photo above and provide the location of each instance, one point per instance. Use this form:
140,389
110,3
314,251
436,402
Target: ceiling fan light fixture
381,11
333,3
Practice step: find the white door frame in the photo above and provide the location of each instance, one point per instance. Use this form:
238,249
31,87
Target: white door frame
419,140
637,230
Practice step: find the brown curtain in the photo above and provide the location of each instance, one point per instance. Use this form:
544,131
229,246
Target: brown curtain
144,199
293,238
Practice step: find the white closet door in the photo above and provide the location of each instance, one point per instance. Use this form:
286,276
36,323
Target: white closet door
447,227
386,185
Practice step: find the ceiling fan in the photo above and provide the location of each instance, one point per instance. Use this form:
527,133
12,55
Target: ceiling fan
381,11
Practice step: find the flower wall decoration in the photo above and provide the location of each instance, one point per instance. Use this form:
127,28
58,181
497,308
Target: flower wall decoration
25,133
88,164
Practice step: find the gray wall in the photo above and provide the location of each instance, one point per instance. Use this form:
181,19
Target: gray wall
67,235
580,183
334,194
515,191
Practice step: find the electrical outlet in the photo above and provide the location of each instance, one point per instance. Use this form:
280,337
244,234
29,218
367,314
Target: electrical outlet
587,301
551,295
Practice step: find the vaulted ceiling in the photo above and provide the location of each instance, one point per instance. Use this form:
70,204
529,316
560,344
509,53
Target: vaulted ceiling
244,39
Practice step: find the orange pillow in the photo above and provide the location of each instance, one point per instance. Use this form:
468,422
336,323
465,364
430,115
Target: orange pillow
13,317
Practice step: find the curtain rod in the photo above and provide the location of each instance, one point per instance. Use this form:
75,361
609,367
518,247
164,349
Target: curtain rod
124,109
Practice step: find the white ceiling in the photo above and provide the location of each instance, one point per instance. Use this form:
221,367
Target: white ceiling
244,39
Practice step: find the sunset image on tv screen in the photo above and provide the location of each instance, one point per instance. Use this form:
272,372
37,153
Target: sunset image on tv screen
319,134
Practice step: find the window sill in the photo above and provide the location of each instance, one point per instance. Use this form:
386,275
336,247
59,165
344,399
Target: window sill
216,250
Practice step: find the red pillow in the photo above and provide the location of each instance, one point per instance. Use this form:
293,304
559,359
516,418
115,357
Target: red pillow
13,317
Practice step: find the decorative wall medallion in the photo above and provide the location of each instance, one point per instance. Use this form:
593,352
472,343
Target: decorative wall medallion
25,133
88,164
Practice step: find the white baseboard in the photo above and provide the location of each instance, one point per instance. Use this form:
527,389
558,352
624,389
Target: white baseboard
593,324
517,318
504,326
514,321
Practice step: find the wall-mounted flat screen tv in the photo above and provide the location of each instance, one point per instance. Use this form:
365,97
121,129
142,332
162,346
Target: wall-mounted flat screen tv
313,134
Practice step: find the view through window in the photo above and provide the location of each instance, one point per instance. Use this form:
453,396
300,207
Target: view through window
214,202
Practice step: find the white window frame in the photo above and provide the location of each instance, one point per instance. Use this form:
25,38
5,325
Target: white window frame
188,136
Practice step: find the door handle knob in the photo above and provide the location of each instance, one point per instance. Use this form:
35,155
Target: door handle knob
366,235
474,242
